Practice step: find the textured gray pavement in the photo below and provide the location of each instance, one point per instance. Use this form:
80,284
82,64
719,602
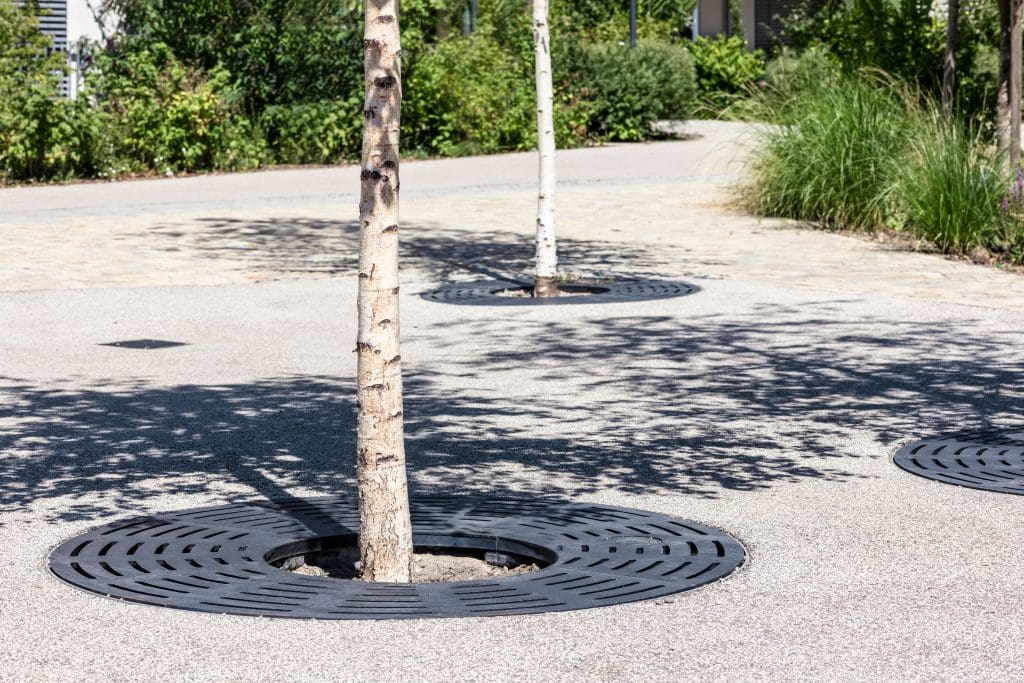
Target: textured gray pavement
768,405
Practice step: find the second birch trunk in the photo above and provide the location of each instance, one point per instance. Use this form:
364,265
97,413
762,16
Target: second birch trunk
546,261
385,538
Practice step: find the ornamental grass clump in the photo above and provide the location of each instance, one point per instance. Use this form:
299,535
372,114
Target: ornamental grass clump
947,186
829,161
865,153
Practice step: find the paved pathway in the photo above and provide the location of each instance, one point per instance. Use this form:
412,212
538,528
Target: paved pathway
769,405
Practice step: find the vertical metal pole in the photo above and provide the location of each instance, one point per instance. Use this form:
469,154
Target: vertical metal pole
632,23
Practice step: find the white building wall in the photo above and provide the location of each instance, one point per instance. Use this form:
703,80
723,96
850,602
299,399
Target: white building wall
81,23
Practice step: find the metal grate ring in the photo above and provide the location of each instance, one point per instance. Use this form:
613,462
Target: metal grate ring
218,559
992,461
487,293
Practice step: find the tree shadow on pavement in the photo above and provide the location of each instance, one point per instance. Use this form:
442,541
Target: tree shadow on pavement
303,246
640,405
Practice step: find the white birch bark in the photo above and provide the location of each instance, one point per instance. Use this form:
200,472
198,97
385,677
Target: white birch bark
546,260
385,540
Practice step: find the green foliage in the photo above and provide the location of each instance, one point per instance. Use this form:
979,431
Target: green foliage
630,88
170,118
791,73
863,153
725,68
278,51
904,39
831,163
948,187
327,132
41,135
897,36
197,85
468,96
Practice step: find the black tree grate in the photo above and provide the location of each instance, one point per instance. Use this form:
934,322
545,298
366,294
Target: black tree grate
219,559
494,293
992,461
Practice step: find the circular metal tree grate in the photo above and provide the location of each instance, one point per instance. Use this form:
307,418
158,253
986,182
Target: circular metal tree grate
992,461
219,559
509,293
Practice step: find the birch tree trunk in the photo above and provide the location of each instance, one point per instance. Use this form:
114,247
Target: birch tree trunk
1008,118
949,63
385,539
545,282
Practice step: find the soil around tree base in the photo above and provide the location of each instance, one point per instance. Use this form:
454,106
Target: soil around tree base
563,290
428,565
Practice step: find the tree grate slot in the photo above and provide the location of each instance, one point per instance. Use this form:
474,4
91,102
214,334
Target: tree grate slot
497,293
987,460
145,344
120,561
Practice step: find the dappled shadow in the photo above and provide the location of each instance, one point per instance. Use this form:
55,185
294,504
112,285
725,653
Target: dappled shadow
310,246
642,405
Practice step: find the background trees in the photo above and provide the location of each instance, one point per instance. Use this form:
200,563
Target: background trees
193,85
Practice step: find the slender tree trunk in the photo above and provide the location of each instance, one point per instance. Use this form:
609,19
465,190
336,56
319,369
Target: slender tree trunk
385,539
949,63
546,276
1008,117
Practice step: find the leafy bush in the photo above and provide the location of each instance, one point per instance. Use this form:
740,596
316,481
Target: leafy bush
791,73
316,133
42,136
169,117
630,88
725,68
278,51
469,96
831,164
897,36
788,77
904,38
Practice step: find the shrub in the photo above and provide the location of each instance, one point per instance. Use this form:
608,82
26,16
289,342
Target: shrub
315,133
899,37
630,88
725,68
904,38
791,74
469,96
170,118
831,163
42,136
278,51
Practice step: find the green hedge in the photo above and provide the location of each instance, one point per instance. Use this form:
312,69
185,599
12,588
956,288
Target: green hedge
197,85
630,88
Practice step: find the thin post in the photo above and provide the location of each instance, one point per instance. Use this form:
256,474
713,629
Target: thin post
949,63
632,23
